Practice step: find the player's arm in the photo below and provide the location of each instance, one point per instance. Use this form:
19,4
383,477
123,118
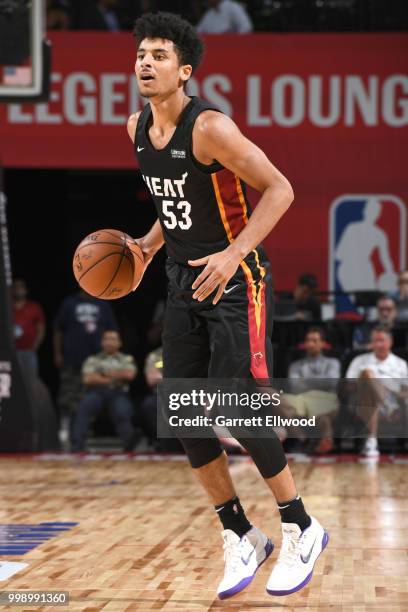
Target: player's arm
216,137
151,242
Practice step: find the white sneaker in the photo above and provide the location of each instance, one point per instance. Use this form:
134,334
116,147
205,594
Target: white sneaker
242,558
370,449
294,566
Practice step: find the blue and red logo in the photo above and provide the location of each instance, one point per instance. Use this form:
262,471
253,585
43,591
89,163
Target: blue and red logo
367,244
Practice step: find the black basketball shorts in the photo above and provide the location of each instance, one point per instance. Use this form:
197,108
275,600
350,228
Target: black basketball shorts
229,340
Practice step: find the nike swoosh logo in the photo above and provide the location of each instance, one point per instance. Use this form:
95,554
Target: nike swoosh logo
230,289
307,558
246,561
140,149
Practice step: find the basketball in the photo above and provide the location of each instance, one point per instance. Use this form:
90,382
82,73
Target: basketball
108,264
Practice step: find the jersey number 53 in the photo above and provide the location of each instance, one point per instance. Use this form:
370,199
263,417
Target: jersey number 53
182,219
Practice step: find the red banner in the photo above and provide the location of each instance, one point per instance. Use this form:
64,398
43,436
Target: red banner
330,110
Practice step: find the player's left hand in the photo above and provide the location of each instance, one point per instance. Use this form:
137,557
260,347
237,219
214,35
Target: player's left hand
219,268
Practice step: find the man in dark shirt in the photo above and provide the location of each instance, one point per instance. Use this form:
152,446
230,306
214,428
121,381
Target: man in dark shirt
307,304
303,304
78,329
386,315
401,297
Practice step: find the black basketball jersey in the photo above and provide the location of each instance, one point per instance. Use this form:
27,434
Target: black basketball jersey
201,208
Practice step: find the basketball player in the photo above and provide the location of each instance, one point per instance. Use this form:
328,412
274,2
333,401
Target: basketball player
196,162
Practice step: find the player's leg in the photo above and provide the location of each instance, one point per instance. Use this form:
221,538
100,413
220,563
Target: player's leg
243,328
186,354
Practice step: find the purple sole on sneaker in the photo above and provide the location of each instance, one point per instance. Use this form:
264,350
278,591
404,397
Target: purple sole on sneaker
244,583
308,577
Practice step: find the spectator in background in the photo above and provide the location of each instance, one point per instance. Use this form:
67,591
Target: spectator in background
58,15
307,303
302,303
401,297
78,329
386,315
153,372
224,16
314,365
106,377
99,15
29,326
313,381
380,383
154,333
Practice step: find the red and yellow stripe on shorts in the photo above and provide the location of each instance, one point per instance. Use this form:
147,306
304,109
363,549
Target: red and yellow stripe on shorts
233,211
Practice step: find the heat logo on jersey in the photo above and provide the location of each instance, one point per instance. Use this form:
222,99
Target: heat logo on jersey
166,187
367,244
175,213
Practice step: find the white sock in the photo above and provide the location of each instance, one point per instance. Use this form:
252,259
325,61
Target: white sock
371,443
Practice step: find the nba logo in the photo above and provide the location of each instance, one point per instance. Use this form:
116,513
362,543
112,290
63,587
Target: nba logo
367,244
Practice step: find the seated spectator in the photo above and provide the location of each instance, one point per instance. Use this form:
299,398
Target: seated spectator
386,315
225,16
155,331
106,377
153,372
29,326
401,297
78,328
380,385
313,381
306,305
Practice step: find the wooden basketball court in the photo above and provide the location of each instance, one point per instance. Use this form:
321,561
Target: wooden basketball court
147,539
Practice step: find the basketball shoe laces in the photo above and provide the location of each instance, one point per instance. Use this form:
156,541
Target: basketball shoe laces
291,547
232,554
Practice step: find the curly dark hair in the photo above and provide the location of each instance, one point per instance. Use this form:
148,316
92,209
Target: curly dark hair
183,35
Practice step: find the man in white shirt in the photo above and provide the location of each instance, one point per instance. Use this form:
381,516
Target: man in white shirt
223,17
382,384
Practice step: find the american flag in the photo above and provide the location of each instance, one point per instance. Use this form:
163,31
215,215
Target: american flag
17,75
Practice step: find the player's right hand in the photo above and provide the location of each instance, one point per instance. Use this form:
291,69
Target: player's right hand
147,257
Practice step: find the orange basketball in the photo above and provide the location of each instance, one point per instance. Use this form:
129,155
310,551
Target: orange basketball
108,264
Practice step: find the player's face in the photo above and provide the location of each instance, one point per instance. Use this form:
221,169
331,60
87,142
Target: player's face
158,71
